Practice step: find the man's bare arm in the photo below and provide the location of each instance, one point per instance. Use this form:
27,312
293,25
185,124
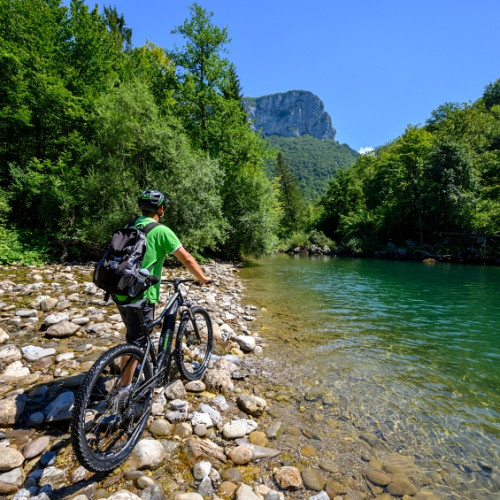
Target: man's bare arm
191,265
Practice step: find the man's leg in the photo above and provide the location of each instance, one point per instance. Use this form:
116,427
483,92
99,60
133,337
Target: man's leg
136,336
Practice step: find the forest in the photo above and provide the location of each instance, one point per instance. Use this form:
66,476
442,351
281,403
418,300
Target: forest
436,186
88,121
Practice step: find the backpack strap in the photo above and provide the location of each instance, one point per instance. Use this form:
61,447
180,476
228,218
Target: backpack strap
146,230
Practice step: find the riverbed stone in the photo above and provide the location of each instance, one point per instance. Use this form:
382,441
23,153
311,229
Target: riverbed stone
124,495
36,447
10,353
14,373
234,429
312,479
289,478
232,474
201,469
148,453
251,405
26,313
246,342
258,438
176,390
47,304
33,353
12,409
378,478
197,449
214,414
11,481
401,486
10,458
53,319
60,409
200,418
241,455
4,336
195,386
160,427
62,329
245,492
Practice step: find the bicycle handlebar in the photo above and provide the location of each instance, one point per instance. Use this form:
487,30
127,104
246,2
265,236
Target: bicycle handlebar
176,282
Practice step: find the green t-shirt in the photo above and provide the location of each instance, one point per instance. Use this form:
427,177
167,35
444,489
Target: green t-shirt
160,241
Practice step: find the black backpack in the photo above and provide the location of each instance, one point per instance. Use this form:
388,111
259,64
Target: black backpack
118,271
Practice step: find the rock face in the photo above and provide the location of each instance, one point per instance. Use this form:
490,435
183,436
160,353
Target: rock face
290,114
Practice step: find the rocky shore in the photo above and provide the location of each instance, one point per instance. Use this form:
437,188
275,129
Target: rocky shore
230,435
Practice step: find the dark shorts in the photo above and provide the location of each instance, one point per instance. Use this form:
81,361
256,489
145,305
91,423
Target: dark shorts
135,335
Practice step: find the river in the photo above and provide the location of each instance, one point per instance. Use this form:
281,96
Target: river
410,350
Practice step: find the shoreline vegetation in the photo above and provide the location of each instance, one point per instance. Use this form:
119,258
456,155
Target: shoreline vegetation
241,432
480,250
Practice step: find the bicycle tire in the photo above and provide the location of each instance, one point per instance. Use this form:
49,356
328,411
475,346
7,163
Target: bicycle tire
108,421
193,346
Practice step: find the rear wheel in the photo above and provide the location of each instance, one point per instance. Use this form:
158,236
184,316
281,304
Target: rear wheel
193,346
109,419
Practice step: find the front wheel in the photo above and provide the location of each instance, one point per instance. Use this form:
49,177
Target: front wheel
193,346
110,414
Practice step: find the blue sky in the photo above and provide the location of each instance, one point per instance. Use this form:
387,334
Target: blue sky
378,66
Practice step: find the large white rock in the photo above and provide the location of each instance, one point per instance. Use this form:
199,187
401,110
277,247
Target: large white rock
234,430
62,329
53,319
15,372
32,353
10,459
246,342
9,353
148,453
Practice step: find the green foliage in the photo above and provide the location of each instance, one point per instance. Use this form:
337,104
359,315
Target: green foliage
215,121
431,181
133,147
22,247
312,161
290,198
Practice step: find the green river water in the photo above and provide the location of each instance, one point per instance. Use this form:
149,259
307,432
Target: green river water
411,351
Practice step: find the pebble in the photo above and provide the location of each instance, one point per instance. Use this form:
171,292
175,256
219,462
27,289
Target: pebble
36,447
148,453
241,455
10,459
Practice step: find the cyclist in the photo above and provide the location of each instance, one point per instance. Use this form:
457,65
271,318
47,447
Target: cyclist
160,241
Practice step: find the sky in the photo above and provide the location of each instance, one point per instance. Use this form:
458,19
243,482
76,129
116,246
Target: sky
378,66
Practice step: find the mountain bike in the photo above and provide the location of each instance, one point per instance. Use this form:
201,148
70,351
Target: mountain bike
110,416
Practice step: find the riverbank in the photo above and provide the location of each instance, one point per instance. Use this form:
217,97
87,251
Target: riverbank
240,433
459,249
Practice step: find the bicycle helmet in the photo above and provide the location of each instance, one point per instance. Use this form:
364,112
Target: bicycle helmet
152,200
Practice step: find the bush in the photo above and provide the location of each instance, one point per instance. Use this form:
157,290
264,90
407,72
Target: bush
319,239
14,248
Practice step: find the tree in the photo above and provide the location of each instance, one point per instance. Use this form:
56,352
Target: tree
450,192
491,95
215,121
133,148
202,72
289,197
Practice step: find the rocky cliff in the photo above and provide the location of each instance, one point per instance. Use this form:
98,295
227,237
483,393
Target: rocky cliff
290,114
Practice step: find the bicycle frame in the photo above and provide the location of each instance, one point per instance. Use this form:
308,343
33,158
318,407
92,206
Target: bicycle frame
162,357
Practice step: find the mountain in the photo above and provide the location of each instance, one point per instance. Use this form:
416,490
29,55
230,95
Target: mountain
290,114
297,124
